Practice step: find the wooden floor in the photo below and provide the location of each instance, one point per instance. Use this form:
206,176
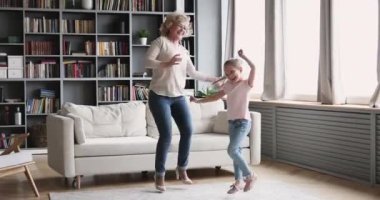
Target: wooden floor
321,185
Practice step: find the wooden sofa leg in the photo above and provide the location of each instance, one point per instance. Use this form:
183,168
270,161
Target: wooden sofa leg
31,181
76,182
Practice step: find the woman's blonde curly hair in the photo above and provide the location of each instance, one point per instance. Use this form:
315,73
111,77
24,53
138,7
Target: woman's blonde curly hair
175,19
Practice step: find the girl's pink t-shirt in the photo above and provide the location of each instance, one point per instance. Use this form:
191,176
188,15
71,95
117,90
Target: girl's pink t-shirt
237,99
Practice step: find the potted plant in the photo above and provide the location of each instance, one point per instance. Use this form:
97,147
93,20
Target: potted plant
143,35
206,92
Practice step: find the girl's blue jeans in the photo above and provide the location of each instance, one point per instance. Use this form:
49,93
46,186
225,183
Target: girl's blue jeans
238,129
163,108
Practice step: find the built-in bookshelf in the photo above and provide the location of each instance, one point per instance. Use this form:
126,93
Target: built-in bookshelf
63,52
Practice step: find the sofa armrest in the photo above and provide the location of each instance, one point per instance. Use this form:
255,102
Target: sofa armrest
255,138
60,137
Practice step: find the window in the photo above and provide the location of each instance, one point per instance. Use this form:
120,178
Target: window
355,38
301,48
250,36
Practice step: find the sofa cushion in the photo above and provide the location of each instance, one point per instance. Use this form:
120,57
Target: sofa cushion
115,146
202,116
207,142
125,119
79,134
221,123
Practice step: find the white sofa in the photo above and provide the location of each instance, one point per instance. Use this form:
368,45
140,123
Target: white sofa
89,140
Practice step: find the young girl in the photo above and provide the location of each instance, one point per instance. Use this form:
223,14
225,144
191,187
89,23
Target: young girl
239,120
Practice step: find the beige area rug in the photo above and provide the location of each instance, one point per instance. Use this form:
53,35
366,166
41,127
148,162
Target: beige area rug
263,190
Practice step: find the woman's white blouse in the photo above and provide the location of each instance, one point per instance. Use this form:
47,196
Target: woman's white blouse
170,81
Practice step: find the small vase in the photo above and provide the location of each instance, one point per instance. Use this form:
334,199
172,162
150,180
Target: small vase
143,40
87,4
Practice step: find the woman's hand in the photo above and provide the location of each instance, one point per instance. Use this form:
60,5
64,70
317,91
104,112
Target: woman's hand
219,81
175,60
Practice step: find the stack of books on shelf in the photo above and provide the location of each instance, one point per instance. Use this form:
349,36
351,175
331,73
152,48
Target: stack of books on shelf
112,70
113,93
47,103
146,5
10,3
140,92
79,68
112,4
41,25
112,48
41,69
42,3
39,47
78,26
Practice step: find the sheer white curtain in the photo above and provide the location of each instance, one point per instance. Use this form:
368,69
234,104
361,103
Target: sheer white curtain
274,77
229,48
355,27
375,99
329,84
250,36
301,49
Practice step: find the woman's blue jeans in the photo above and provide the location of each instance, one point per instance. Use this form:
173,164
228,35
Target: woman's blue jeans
239,129
163,108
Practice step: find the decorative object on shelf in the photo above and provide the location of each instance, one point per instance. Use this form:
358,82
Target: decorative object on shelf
122,27
6,116
87,4
14,39
12,100
18,120
15,66
143,35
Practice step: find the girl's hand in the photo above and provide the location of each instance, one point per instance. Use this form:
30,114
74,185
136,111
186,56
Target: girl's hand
241,53
193,99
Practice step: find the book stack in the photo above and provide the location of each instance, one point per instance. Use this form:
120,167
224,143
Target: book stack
46,103
41,69
45,93
140,91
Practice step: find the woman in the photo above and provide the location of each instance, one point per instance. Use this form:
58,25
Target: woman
170,63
